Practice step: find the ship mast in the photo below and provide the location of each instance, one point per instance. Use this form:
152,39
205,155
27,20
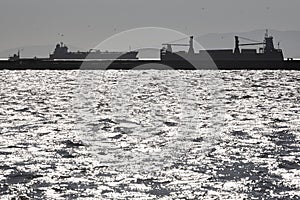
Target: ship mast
237,45
191,49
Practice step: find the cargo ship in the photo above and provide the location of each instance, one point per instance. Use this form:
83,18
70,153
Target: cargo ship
267,53
62,52
266,57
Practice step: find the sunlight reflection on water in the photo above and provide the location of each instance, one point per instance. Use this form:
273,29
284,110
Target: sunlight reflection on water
149,134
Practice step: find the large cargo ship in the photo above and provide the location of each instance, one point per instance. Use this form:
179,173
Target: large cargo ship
267,53
222,58
62,52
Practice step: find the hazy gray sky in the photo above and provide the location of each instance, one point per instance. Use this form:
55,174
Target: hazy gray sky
85,23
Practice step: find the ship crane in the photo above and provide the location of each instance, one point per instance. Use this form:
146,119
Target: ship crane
238,45
252,44
190,45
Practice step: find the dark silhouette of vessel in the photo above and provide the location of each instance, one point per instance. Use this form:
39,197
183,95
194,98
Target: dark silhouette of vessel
225,58
267,53
62,52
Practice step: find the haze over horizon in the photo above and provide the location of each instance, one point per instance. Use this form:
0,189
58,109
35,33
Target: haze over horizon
86,23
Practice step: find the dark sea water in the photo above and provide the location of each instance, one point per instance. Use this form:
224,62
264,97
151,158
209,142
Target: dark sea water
149,134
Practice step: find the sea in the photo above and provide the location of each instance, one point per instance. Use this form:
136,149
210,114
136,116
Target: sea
149,134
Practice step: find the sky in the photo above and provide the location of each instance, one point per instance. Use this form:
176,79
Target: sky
85,23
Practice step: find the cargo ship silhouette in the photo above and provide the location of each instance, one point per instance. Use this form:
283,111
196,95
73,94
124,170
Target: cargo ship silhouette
236,58
62,52
266,53
266,57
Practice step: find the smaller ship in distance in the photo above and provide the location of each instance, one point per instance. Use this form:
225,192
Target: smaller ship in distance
62,52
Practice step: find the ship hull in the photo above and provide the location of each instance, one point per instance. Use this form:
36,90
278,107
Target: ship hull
36,64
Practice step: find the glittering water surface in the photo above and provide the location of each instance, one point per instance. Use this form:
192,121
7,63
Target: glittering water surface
149,134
